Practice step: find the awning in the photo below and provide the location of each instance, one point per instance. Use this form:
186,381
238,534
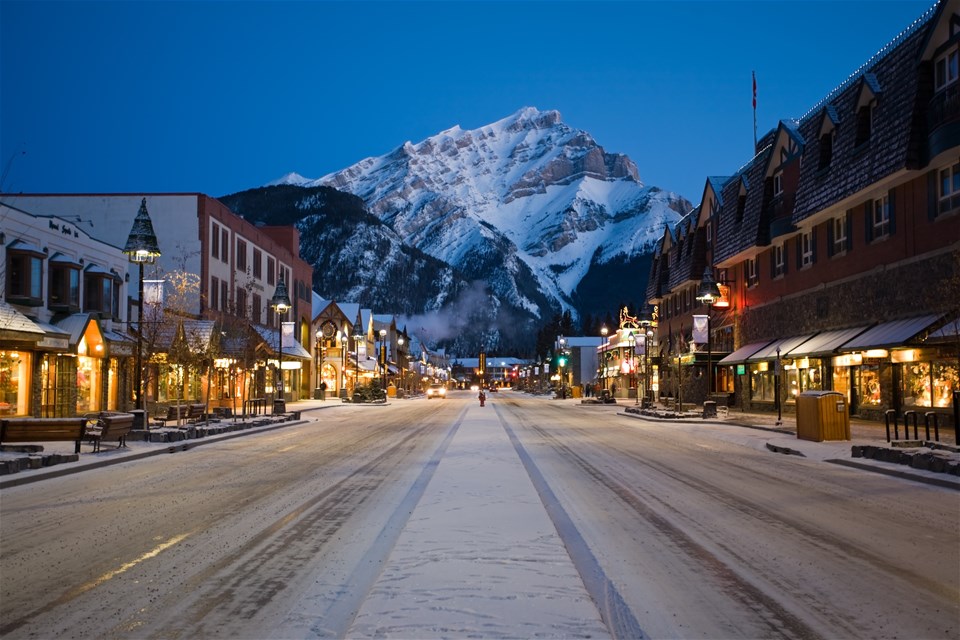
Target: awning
16,327
291,348
826,342
119,345
54,339
948,331
744,352
891,334
783,345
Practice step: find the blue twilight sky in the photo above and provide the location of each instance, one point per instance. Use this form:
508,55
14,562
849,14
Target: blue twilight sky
222,96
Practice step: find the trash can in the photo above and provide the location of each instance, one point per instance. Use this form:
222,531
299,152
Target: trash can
709,409
823,415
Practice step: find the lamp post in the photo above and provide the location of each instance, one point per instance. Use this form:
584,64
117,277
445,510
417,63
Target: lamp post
776,389
383,359
400,358
316,365
341,375
646,325
603,356
708,293
141,248
280,303
357,337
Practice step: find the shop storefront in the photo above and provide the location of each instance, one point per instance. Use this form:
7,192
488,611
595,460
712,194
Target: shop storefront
885,366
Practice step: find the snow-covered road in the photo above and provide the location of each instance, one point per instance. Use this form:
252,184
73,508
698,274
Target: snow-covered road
525,518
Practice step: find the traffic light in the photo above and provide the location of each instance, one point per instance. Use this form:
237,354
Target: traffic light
562,361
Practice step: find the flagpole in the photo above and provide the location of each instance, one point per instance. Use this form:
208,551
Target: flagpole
754,112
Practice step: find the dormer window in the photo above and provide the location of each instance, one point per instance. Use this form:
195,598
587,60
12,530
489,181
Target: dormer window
864,124
866,108
826,150
946,69
741,201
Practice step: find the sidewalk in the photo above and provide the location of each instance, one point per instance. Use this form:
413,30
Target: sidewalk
136,449
782,438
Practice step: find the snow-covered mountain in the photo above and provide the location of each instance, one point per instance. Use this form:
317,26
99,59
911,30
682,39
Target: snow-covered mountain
525,197
531,207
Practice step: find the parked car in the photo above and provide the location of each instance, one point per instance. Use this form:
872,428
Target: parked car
436,391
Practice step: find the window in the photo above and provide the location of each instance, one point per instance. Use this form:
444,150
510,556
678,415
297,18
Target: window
271,271
806,249
826,150
741,205
24,269
241,302
881,217
779,261
225,295
241,255
257,264
257,308
864,124
64,289
753,276
945,69
225,254
839,225
215,241
777,183
98,291
214,293
949,189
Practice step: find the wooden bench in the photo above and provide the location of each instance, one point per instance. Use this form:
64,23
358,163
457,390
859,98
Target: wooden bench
110,427
175,413
43,430
196,412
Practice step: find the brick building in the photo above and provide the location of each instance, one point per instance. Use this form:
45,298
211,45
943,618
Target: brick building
837,246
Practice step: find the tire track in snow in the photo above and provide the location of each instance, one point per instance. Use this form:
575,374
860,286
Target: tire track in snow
613,609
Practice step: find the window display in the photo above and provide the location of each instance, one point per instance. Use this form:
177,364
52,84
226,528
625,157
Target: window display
869,391
927,384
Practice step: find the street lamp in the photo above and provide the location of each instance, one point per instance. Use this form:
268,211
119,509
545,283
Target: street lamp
646,324
316,364
280,303
603,356
708,293
141,248
383,360
357,337
400,358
